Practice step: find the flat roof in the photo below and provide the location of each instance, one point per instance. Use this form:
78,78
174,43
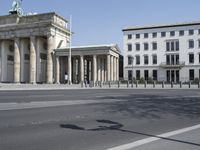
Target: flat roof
161,26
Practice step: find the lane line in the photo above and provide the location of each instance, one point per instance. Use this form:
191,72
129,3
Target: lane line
152,139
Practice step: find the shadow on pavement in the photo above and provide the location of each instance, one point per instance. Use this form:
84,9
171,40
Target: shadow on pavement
111,125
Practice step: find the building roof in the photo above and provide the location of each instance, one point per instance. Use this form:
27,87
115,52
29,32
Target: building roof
161,26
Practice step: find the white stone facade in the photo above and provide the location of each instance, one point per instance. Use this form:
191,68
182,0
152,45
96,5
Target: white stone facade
172,64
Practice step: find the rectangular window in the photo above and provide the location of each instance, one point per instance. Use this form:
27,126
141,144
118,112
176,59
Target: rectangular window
172,33
137,36
154,35
168,59
154,46
137,60
168,75
168,46
130,74
163,34
129,47
10,58
191,58
191,74
155,75
172,46
191,32
137,74
177,59
26,57
146,46
191,43
154,59
129,36
146,75
146,59
177,45
181,33
146,35
43,56
137,47
130,60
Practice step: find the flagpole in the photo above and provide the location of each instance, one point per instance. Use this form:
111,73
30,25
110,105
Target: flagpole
70,53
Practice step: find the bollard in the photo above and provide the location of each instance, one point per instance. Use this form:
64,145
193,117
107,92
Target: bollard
118,84
145,84
172,84
189,84
163,84
109,83
154,84
136,84
199,85
181,84
127,83
132,84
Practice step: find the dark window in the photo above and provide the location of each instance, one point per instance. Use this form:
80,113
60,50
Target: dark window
191,58
154,46
146,46
191,43
11,48
181,33
130,74
168,75
137,47
137,74
168,59
154,35
146,75
44,45
137,36
168,46
129,47
191,74
26,56
137,60
191,32
146,60
155,75
177,59
199,57
172,46
130,60
154,59
177,45
129,36
43,56
172,33
163,34
10,58
172,59
146,35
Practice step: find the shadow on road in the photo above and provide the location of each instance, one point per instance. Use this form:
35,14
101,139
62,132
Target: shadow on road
111,125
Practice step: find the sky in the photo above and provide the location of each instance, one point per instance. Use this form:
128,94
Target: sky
102,21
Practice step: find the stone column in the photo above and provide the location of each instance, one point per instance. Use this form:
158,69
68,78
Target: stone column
38,61
57,70
74,69
50,47
114,68
22,44
32,77
108,68
3,62
102,69
82,68
111,68
99,68
16,60
117,69
94,68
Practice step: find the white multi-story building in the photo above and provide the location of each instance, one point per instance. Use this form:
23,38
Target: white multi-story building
162,52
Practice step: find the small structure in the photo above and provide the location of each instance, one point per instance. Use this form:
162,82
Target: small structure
16,7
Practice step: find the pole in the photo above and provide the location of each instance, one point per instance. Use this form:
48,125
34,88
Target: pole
70,53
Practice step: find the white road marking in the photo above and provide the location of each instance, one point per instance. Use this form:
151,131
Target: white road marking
43,104
152,139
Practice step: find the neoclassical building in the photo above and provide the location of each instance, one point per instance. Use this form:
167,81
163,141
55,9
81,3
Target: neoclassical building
35,49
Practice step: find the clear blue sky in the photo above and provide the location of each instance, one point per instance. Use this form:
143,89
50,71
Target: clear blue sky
101,21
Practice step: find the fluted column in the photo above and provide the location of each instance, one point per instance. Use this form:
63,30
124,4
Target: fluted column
111,68
94,68
32,60
50,47
57,70
108,68
3,62
16,60
82,67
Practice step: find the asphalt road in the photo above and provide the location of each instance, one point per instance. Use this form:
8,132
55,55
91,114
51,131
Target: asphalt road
96,119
